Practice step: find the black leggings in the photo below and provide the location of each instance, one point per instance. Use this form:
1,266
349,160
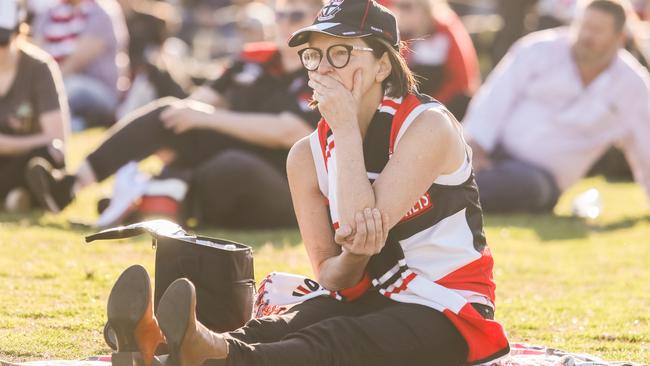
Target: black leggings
12,169
373,330
233,184
141,134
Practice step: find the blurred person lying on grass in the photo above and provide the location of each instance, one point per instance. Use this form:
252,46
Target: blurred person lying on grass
226,144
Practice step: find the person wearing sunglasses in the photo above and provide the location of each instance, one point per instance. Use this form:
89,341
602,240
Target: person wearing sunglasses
388,210
226,144
441,52
33,116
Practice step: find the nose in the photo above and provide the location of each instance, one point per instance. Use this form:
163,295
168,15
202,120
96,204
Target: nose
324,67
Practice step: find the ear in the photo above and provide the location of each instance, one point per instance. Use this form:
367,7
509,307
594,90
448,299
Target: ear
384,68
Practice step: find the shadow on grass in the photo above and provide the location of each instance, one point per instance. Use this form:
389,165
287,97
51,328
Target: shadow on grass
256,238
547,227
550,227
36,219
622,223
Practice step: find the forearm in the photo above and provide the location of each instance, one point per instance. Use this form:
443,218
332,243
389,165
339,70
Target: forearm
353,189
18,145
342,271
88,50
264,129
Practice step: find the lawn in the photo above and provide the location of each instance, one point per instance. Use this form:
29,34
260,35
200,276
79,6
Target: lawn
577,285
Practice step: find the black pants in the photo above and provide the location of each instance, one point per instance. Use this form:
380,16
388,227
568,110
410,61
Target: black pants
240,190
232,183
12,169
513,185
373,330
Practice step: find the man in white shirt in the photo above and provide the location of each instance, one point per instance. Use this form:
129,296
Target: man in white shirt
553,106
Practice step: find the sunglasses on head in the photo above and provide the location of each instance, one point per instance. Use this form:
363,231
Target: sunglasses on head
294,16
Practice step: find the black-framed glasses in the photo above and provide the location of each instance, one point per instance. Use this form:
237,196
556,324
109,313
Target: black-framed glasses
338,55
294,16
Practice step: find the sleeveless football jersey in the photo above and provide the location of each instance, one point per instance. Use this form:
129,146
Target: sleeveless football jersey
436,255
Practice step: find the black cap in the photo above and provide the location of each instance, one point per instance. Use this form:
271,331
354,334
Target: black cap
351,19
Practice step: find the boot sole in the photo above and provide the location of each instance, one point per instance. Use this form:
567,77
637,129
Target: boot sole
127,304
37,183
173,314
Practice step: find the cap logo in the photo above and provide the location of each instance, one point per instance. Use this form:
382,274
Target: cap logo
330,10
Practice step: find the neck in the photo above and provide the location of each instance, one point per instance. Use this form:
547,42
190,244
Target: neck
368,107
591,69
8,57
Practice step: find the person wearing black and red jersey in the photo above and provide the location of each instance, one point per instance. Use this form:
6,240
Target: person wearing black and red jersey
229,140
441,51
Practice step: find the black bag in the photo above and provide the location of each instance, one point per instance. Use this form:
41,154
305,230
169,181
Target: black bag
221,270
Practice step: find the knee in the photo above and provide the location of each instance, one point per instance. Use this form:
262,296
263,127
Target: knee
165,102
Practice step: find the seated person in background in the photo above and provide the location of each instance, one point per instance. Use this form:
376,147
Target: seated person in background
85,38
442,54
229,140
33,115
148,25
553,106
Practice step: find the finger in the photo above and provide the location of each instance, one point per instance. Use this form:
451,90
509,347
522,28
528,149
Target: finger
357,84
370,225
385,225
315,84
169,123
168,112
326,80
341,235
360,237
179,128
376,216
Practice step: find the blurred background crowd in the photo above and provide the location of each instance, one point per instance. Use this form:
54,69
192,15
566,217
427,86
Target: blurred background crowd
543,87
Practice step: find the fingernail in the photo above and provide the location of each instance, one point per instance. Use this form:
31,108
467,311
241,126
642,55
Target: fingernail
367,211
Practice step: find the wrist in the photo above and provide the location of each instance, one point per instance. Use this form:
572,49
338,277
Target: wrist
345,126
351,257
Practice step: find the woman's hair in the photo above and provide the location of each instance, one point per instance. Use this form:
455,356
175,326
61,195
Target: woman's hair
401,80
617,9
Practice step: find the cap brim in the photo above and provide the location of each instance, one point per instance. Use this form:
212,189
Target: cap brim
333,29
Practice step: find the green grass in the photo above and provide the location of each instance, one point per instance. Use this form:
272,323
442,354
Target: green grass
577,285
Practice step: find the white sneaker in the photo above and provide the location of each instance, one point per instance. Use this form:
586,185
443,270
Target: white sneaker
18,200
129,186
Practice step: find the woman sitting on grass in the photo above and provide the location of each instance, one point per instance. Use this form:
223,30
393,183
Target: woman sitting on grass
410,283
33,112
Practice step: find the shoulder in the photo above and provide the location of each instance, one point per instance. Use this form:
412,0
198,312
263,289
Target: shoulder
300,162
35,57
635,76
434,122
255,60
541,42
427,121
259,52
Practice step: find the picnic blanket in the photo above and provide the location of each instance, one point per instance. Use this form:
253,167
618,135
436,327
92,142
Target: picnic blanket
520,355
527,355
